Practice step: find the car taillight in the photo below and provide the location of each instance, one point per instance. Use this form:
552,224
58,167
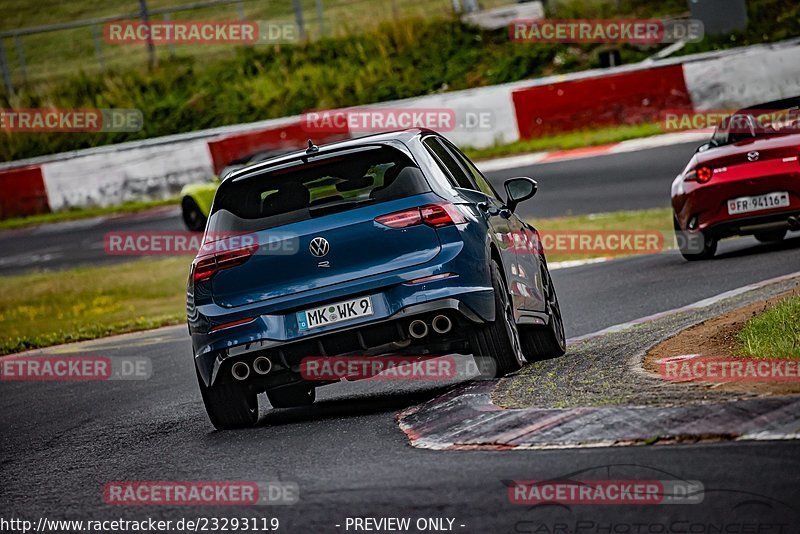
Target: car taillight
434,215
704,174
206,267
232,324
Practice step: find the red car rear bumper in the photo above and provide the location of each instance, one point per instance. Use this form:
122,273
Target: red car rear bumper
704,207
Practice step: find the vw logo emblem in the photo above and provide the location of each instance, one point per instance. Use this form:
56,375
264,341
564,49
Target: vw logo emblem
753,156
319,247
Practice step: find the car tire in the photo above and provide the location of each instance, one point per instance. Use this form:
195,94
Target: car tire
550,341
499,340
292,396
689,253
193,216
771,237
229,406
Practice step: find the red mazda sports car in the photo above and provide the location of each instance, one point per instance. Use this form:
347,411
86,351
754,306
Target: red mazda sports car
745,181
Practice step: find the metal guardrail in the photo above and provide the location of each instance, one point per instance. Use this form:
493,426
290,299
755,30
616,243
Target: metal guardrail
126,16
291,9
144,13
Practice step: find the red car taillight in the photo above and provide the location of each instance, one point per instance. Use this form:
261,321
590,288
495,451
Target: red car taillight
704,175
206,267
701,174
434,215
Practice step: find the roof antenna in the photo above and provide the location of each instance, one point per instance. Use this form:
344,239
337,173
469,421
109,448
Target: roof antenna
312,148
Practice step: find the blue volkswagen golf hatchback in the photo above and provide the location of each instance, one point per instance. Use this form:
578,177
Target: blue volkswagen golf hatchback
388,245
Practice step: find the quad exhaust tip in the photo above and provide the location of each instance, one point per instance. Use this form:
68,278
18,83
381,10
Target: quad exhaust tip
418,329
240,371
262,365
441,324
794,223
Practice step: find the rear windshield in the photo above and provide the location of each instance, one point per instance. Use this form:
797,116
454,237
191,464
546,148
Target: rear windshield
758,123
323,186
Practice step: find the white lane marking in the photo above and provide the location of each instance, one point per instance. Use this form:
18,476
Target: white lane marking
677,138
154,214
69,225
32,258
163,334
767,436
575,263
511,162
694,306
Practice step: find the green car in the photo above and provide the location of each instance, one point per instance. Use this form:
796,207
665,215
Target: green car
196,199
196,202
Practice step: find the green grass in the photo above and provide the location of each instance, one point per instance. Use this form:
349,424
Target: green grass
370,59
567,141
774,333
83,213
54,54
42,309
367,57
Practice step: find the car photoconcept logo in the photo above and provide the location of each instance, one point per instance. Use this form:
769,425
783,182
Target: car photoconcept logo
319,247
753,156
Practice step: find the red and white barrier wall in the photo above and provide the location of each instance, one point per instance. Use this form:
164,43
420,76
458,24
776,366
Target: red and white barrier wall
22,192
632,97
158,168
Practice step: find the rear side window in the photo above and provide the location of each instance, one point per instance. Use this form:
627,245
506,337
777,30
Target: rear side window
457,174
484,186
320,187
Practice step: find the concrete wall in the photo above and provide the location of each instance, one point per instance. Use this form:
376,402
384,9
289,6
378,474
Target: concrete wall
758,74
115,177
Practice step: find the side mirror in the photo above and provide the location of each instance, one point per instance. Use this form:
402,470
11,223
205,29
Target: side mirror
519,190
703,147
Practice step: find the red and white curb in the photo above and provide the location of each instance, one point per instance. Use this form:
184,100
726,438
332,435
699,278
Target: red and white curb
466,419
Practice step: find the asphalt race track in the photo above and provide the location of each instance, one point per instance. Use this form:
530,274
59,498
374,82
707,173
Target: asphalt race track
625,181
61,442
634,180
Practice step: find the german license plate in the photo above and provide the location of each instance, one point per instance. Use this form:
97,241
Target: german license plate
335,313
758,203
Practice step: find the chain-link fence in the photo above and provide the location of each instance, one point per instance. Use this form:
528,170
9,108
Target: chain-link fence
31,53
